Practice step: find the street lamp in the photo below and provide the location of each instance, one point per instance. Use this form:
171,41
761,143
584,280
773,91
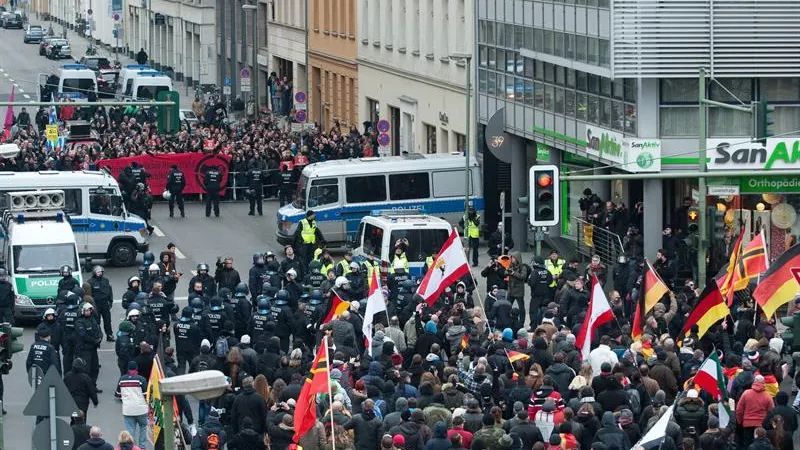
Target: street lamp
204,385
467,58
254,9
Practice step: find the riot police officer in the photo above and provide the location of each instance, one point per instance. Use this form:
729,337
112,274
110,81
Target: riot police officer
255,184
49,322
209,284
257,326
241,310
542,290
89,337
147,259
6,298
216,318
152,276
133,290
104,299
281,314
212,182
187,339
161,307
139,175
66,329
42,354
258,275
67,282
286,179
315,307
314,277
176,182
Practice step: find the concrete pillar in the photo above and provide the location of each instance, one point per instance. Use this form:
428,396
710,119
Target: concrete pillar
519,188
653,216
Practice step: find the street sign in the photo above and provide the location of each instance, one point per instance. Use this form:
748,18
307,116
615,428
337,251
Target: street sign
244,85
383,126
227,81
384,140
39,404
51,131
724,191
64,436
300,97
244,73
116,17
226,90
309,126
89,12
300,116
297,127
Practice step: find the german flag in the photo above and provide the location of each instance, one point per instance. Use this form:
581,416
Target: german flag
464,341
305,413
516,356
752,262
709,310
726,288
335,309
650,293
778,285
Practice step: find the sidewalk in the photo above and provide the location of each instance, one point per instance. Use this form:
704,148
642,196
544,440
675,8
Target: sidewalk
79,44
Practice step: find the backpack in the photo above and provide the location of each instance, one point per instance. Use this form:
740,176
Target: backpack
634,400
377,408
202,365
221,347
213,441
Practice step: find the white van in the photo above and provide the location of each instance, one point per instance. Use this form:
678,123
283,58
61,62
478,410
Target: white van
379,232
93,203
127,73
147,84
341,192
39,242
76,81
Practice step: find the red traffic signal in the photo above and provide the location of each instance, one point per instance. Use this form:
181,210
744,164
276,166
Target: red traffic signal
544,180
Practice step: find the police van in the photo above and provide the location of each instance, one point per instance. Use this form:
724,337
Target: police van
341,192
146,85
39,242
423,236
103,228
75,81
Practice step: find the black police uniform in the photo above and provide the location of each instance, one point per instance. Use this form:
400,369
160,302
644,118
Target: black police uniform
212,181
257,328
209,284
68,336
6,302
67,283
176,182
89,337
541,291
216,318
42,355
104,299
286,178
139,175
255,182
187,341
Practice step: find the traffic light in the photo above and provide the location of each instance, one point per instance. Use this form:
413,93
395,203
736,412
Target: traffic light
792,334
718,225
764,120
9,345
544,196
523,205
693,219
169,121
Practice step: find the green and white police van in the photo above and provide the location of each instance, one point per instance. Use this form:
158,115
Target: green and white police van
38,242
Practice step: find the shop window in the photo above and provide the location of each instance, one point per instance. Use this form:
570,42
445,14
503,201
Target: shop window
461,142
569,103
618,88
630,119
786,119
409,186
726,122
618,116
430,135
366,189
605,112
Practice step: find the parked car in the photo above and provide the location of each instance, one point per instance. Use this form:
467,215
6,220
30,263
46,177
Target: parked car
107,82
13,20
95,62
187,115
33,34
44,43
58,49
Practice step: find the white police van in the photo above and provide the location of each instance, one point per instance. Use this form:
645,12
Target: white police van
39,242
75,81
422,234
147,84
93,205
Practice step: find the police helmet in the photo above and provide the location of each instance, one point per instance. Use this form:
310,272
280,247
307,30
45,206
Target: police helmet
340,282
282,297
216,303
186,313
166,195
132,313
66,271
315,266
49,311
225,293
98,270
202,267
78,291
196,304
316,294
263,305
241,289
354,266
266,286
133,306
408,285
153,268
132,279
258,258
141,298
148,258
269,255
87,307
3,274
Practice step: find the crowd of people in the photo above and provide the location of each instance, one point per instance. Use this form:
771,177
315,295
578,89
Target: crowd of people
467,372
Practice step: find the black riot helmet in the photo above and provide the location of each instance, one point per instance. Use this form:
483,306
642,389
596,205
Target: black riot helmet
282,297
148,258
186,313
202,267
408,286
263,305
141,298
225,293
241,290
258,259
315,266
66,271
216,303
196,304
316,295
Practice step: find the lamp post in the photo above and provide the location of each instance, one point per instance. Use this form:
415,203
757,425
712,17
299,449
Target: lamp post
254,9
205,385
467,58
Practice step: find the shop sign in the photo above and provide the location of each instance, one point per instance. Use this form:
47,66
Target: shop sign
770,185
542,153
633,155
734,154
723,191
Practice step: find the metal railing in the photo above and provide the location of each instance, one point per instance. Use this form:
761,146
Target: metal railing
594,240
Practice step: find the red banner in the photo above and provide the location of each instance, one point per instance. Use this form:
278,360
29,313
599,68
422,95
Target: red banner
158,166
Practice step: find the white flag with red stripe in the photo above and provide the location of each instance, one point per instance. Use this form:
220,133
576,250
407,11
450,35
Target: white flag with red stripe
450,265
599,313
375,304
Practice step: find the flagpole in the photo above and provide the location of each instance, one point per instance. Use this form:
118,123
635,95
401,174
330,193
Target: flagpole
330,392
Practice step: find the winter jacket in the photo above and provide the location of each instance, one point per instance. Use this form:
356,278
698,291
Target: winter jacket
280,436
753,406
81,386
131,388
611,434
96,444
200,440
453,336
518,277
366,430
439,440
250,404
666,380
613,397
562,375
691,412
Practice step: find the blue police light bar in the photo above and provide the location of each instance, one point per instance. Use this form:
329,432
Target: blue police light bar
20,218
138,66
59,217
150,73
75,66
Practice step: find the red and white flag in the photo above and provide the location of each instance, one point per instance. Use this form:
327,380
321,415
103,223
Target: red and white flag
375,304
599,313
450,265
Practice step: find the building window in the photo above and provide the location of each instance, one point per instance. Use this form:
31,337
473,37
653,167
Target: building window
430,134
416,18
461,142
373,111
678,121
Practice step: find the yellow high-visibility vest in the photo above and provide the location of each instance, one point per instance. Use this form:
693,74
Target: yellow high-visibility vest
308,232
473,231
554,269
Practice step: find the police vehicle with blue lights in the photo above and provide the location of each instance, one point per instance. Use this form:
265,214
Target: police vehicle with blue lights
342,192
74,81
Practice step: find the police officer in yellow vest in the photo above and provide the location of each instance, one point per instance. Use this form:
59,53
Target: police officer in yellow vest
342,268
371,264
400,259
327,262
555,266
472,230
308,237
